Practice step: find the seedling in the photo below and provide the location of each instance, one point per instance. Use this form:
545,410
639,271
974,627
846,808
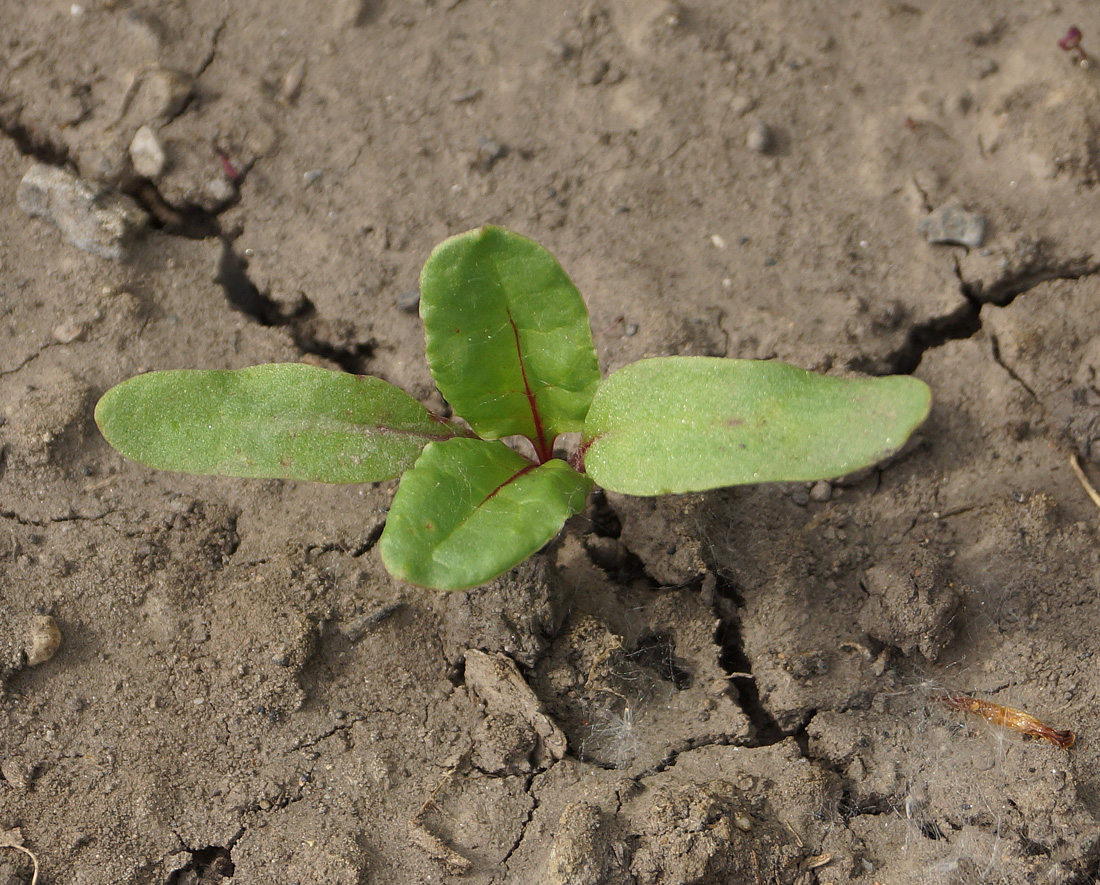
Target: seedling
510,348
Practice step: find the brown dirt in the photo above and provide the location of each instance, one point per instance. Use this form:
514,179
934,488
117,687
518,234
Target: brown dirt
748,681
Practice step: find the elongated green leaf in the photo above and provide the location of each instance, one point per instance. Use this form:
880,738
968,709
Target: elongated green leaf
508,339
284,421
471,509
684,424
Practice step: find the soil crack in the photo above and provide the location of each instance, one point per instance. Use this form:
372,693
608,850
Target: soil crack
303,323
212,52
44,523
308,743
190,221
1035,264
209,864
733,659
996,347
528,781
28,139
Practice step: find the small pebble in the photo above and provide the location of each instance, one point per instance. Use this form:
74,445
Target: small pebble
44,640
147,154
408,301
717,241
489,151
220,189
163,93
559,49
821,491
740,105
631,330
760,138
312,176
90,218
800,496
292,82
67,332
351,13
953,226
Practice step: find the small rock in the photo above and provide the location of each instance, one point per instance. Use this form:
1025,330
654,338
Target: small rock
489,151
954,226
162,94
312,176
799,495
219,190
352,13
559,49
408,301
822,491
740,105
43,641
67,332
147,154
760,138
292,82
97,221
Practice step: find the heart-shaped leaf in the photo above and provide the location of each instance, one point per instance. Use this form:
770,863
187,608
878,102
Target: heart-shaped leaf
684,424
283,421
508,339
471,509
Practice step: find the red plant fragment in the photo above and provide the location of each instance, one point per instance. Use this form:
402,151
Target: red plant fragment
1072,40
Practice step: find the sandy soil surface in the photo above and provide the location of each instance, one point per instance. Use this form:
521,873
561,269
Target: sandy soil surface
744,686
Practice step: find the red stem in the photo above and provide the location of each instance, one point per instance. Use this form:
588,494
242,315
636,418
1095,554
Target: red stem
543,448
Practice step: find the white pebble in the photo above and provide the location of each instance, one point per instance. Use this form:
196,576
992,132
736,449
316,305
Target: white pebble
760,138
67,332
741,105
147,154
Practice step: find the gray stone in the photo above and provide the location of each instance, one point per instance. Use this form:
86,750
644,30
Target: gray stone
91,218
954,226
408,301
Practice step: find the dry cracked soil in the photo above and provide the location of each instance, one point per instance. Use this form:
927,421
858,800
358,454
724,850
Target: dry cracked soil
744,686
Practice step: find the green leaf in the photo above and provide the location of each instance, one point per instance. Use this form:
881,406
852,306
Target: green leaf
471,509
508,339
285,421
684,424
